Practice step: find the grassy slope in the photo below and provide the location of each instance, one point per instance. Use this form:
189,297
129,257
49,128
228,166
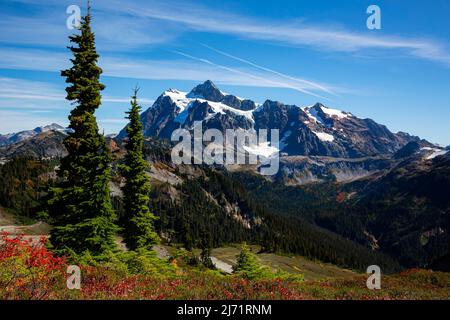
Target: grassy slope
13,225
312,270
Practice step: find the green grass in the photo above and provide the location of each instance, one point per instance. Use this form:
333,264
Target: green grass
312,270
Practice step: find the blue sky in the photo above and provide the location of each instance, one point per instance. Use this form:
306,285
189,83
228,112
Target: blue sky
298,52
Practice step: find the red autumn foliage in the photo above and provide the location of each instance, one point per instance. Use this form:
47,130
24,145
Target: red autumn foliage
28,270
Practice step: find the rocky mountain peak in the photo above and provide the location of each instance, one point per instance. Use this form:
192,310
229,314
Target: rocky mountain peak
318,106
323,112
272,105
53,126
207,91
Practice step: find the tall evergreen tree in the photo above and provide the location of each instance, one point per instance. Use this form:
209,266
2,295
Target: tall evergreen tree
138,221
186,233
81,208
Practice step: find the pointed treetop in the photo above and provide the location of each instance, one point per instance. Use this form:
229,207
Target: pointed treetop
135,91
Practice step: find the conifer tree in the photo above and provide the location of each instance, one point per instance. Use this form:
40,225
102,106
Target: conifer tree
186,234
138,221
205,246
84,220
248,266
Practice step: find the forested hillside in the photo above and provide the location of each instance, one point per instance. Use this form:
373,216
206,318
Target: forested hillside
23,183
404,213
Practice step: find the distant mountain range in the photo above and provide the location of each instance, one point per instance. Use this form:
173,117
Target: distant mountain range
11,138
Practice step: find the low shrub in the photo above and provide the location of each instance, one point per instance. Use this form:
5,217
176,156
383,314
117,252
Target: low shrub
28,270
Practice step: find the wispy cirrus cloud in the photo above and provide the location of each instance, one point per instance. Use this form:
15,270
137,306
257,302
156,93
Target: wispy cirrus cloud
280,74
17,120
121,121
25,104
140,23
44,25
24,94
270,82
20,90
125,26
191,69
202,19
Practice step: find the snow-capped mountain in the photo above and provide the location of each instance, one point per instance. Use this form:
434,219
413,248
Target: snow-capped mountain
11,138
310,131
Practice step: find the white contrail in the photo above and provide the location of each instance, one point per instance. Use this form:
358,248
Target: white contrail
313,84
277,83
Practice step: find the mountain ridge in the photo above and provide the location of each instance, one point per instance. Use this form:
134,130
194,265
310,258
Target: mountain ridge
315,130
10,138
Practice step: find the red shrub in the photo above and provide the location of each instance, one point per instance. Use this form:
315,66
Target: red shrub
28,270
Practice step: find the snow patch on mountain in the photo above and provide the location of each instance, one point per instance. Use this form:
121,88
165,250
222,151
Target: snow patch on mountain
183,102
179,98
433,152
324,136
313,114
334,112
283,141
262,149
221,108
